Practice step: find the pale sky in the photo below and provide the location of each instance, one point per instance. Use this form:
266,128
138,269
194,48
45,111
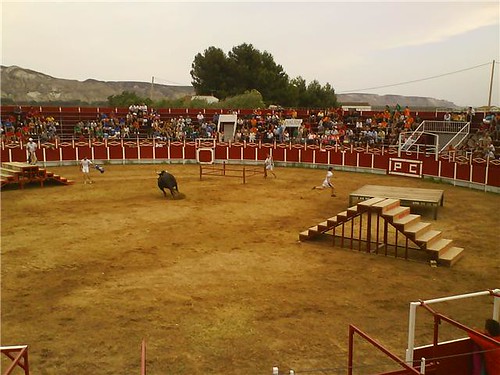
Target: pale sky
447,47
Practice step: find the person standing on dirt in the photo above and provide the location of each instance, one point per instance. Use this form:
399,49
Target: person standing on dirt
327,182
31,147
269,165
85,164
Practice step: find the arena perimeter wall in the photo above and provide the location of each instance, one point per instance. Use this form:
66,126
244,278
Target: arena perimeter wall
477,173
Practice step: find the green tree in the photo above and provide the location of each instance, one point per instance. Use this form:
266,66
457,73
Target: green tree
245,69
127,98
317,96
212,73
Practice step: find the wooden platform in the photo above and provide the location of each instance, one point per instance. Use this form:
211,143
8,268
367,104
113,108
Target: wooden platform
393,232
408,196
24,173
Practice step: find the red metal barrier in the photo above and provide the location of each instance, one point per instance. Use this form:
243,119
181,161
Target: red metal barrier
19,357
457,170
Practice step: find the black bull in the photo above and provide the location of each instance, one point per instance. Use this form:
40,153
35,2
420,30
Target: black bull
167,181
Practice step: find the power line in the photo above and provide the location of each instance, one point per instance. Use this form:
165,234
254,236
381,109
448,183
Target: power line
416,80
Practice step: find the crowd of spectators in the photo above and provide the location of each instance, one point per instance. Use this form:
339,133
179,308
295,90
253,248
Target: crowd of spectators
323,127
19,127
481,143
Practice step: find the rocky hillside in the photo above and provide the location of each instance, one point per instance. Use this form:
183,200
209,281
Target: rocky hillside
23,86
378,101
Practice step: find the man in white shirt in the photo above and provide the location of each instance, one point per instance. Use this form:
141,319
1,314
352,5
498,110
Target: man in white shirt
31,147
85,166
327,182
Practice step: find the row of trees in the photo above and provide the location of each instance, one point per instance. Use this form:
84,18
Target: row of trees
245,68
249,99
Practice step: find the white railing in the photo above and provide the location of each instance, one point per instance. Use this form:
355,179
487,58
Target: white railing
418,141
458,138
456,130
443,126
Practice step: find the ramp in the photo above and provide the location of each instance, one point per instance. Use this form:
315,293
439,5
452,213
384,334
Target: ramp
383,226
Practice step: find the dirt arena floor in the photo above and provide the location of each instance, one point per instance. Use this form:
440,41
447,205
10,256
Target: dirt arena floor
218,283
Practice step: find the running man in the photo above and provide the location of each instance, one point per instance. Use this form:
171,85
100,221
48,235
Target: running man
85,165
269,164
327,182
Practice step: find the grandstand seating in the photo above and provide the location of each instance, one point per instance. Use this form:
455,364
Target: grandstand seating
67,117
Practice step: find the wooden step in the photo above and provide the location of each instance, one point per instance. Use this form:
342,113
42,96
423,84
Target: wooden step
386,205
17,166
303,236
8,170
369,202
352,211
428,238
7,176
439,246
314,231
342,216
332,221
323,226
451,256
397,213
416,230
406,221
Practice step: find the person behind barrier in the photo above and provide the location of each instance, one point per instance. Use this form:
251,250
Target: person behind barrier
31,147
269,163
327,182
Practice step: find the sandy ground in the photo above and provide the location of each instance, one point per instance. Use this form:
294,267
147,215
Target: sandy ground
218,283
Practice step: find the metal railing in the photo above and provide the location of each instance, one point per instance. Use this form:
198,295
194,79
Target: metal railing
456,131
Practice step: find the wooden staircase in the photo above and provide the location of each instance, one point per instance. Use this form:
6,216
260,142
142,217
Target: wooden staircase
24,173
409,225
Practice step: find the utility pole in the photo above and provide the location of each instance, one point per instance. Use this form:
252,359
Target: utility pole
152,86
491,83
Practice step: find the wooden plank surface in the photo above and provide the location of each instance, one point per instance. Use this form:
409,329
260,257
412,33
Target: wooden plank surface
20,166
403,193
